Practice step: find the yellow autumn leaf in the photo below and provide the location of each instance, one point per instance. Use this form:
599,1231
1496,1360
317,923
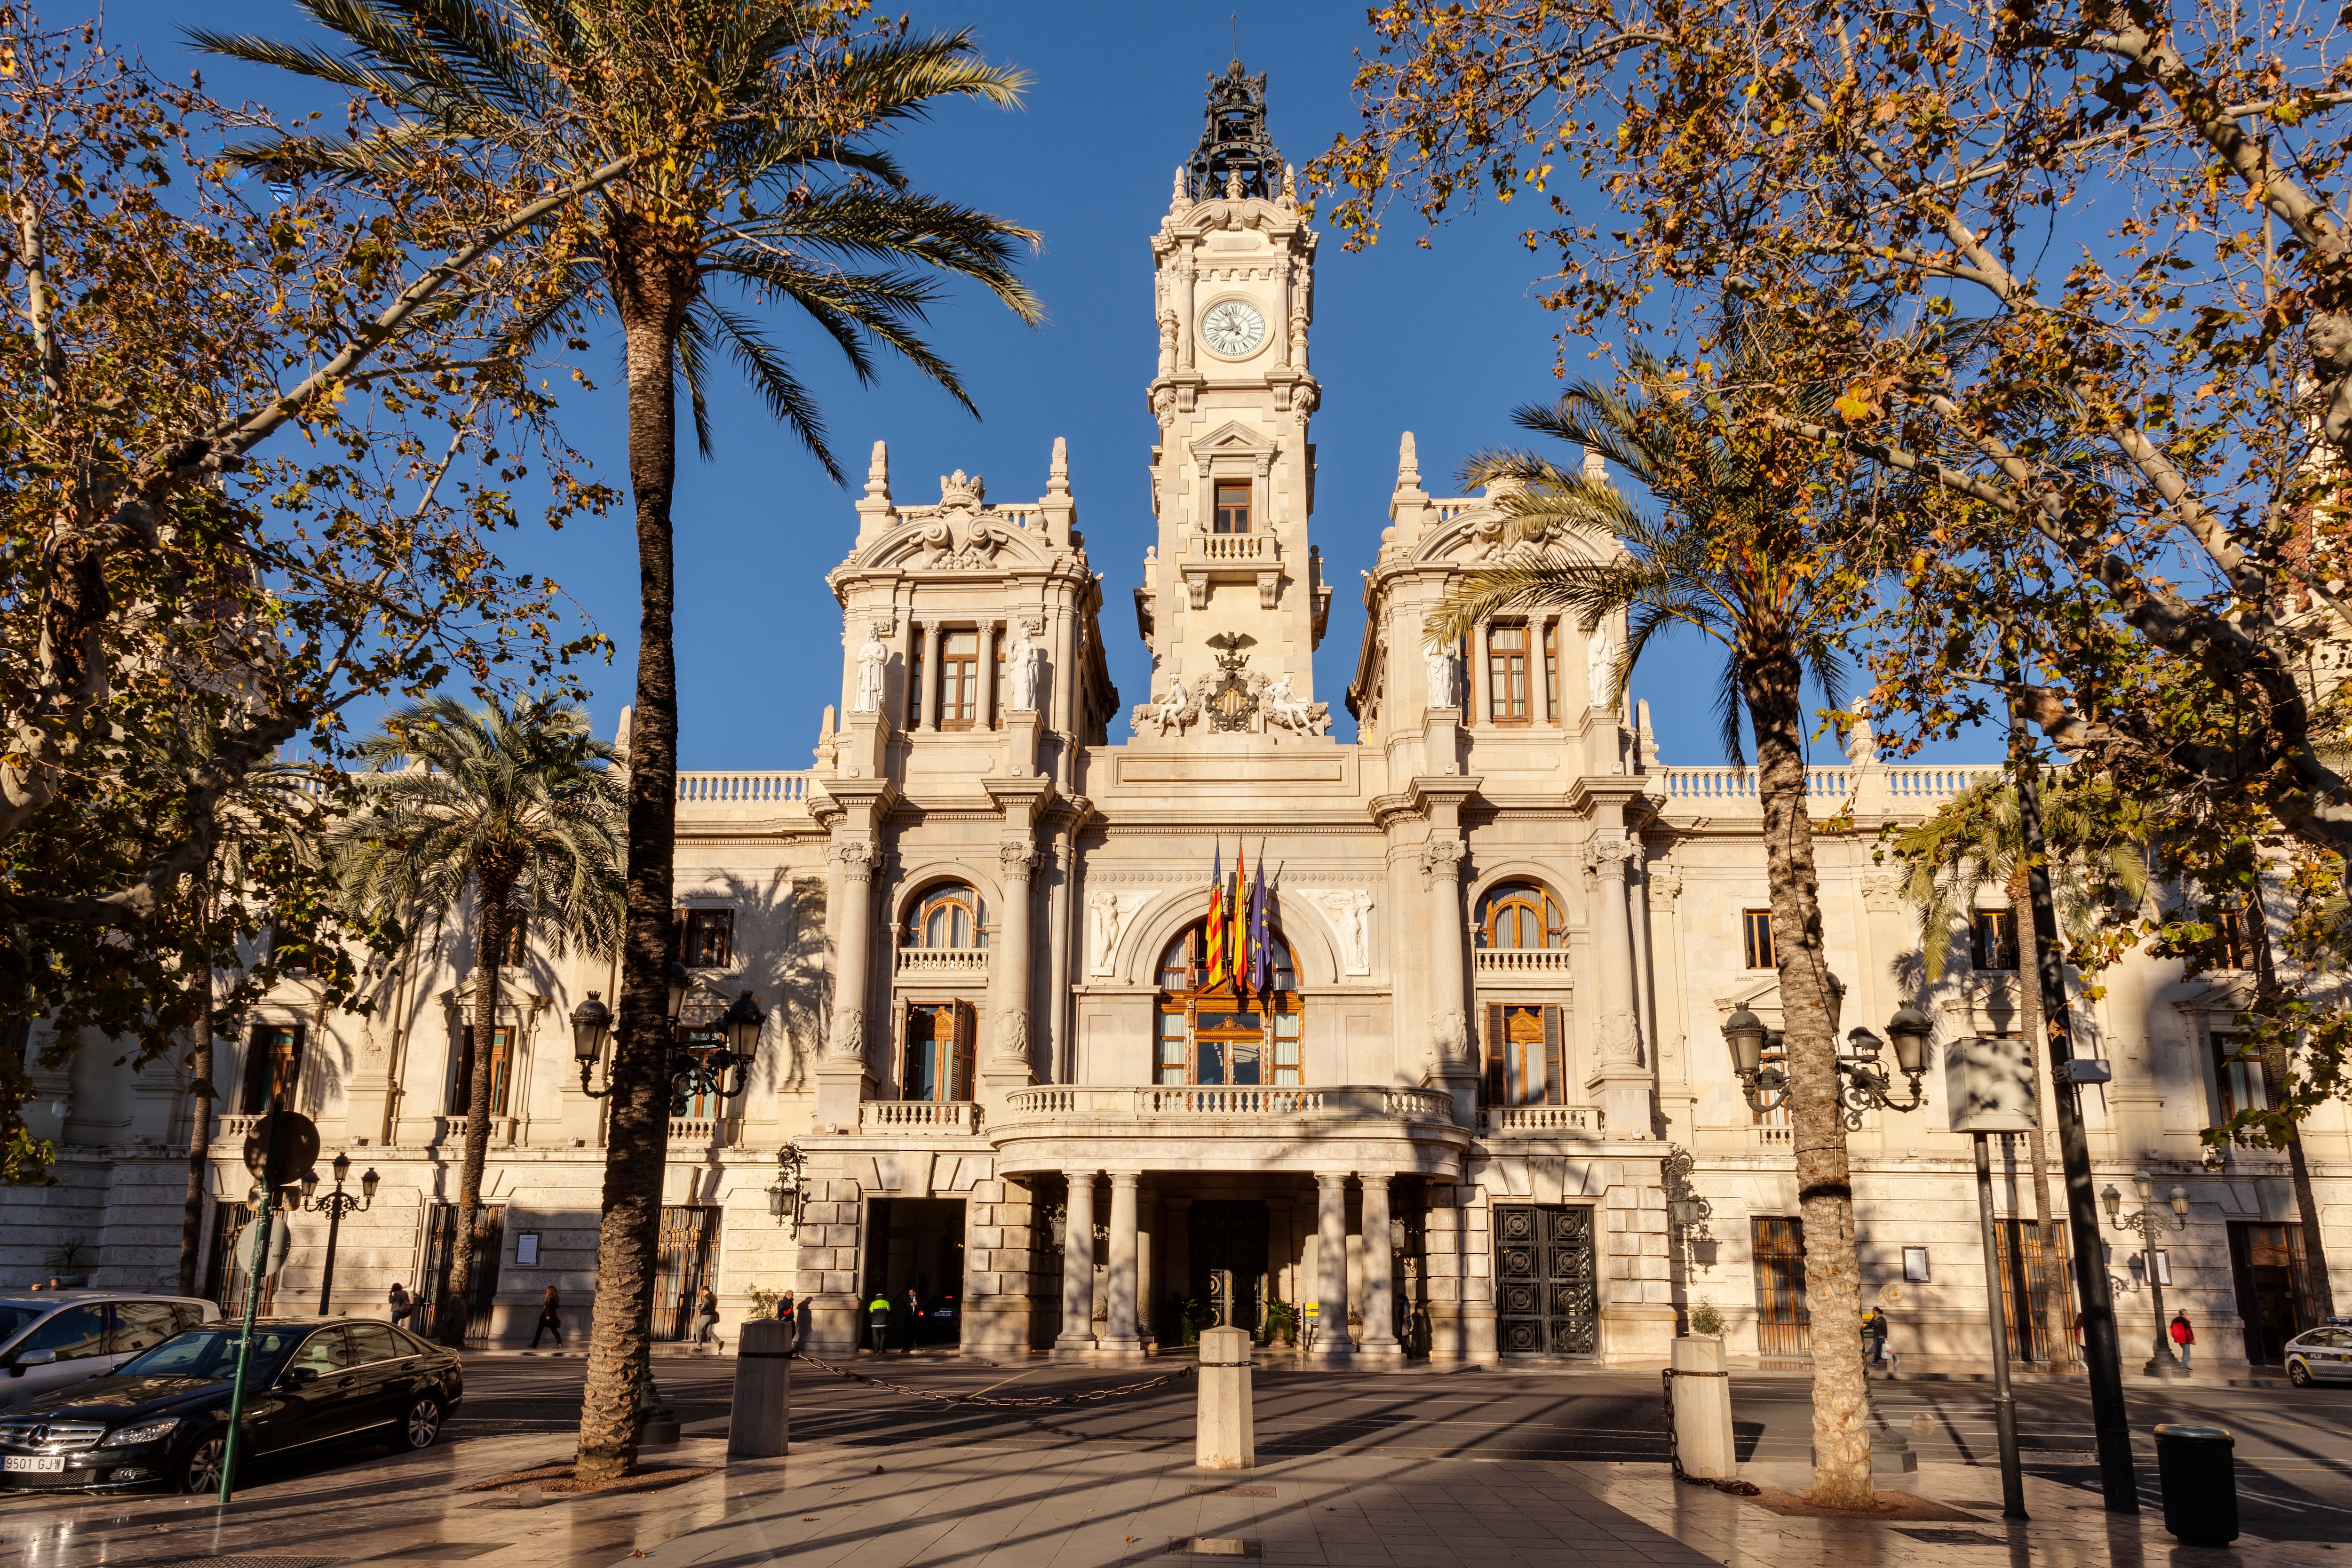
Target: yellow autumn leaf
1852,407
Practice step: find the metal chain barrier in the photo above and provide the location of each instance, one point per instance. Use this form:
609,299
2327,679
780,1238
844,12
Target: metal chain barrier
1028,1401
1674,1450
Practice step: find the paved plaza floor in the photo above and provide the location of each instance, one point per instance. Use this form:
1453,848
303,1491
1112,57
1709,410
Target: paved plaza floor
1078,1488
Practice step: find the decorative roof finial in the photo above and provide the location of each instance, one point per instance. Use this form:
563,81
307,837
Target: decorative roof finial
1408,464
877,472
1596,472
1058,476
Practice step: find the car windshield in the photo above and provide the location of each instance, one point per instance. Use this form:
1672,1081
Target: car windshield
212,1353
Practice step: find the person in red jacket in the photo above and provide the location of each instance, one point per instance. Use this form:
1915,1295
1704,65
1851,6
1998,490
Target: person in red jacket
2183,1336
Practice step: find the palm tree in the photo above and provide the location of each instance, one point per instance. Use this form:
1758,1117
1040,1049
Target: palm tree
522,808
2098,867
1736,551
753,126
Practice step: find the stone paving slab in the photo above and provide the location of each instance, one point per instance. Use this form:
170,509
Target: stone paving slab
1090,1507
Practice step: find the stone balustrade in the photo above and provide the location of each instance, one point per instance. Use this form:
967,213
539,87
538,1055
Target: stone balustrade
1522,961
1542,1122
1191,1102
918,1116
1251,547
914,962
1826,789
234,1128
761,788
704,1131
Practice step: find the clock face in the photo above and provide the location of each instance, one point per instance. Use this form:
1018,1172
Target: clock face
1232,328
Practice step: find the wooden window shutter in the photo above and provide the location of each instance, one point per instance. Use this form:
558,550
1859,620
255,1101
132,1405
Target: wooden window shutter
1555,1066
909,1042
678,936
1497,1050
959,1080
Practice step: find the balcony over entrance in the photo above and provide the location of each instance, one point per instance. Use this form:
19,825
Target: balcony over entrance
1199,1127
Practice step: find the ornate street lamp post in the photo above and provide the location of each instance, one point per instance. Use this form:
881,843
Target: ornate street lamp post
335,1206
2148,1222
723,1070
1863,1085
784,1198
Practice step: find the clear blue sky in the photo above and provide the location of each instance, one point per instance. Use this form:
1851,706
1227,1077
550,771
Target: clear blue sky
1442,342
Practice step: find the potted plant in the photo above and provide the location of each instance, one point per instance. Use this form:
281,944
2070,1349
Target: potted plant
1281,1322
1705,1321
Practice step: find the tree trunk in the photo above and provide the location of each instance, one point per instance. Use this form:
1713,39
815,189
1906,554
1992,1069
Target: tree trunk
2274,1086
452,1314
652,290
200,1140
2047,1287
1771,681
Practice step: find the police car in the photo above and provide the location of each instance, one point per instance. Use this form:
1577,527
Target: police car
2321,1355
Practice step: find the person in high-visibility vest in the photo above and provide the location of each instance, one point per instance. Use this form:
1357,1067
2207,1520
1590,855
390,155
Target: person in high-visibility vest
877,1322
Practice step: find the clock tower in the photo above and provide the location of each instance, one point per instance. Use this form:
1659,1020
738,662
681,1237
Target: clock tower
1233,584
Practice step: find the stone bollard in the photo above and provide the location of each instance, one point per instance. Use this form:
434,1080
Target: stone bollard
760,1424
1703,1409
1226,1439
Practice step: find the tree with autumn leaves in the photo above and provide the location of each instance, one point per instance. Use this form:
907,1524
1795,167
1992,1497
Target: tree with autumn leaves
2084,269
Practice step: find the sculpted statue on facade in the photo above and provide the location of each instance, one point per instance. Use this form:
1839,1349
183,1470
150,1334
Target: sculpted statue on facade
1599,675
1176,707
1449,1038
1011,1045
1861,743
872,666
1109,913
1349,911
1439,666
1280,705
849,1042
1022,657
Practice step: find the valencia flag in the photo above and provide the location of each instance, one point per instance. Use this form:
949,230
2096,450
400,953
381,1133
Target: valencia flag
1218,920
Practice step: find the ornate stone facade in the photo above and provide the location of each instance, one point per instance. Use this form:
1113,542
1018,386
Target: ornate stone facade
1507,937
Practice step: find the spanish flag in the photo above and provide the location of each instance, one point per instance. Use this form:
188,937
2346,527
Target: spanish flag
1217,920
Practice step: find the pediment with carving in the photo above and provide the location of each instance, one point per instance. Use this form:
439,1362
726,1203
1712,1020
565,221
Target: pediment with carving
962,533
1233,439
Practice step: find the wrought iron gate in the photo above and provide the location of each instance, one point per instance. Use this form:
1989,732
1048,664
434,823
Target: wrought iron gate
440,1259
682,1266
1784,1324
1546,1299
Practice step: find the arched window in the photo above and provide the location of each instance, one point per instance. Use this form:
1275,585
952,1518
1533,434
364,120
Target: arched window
1224,1034
949,915
1521,915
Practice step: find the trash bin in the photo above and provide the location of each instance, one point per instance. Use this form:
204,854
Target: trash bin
2198,1468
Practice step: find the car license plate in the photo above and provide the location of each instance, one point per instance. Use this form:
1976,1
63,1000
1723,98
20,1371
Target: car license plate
43,1463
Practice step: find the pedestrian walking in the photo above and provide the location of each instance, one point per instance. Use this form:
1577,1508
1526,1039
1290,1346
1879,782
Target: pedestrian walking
551,1318
403,1306
785,1310
1874,1340
705,1320
877,1324
2183,1336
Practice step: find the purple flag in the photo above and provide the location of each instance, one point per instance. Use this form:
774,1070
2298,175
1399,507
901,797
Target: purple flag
1261,931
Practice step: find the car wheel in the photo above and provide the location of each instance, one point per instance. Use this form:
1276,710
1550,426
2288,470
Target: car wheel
422,1422
2298,1374
200,1470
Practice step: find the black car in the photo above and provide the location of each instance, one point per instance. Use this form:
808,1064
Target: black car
161,1418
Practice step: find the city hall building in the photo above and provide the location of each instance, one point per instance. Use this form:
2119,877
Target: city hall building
1485,1049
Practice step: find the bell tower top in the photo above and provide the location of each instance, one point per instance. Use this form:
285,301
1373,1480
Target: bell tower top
1236,141
1232,476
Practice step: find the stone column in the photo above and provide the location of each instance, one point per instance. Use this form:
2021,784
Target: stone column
1016,859
1119,1338
842,1074
1379,1274
1540,636
1077,1335
1331,1342
1176,1220
1619,1077
988,718
930,677
1449,1031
